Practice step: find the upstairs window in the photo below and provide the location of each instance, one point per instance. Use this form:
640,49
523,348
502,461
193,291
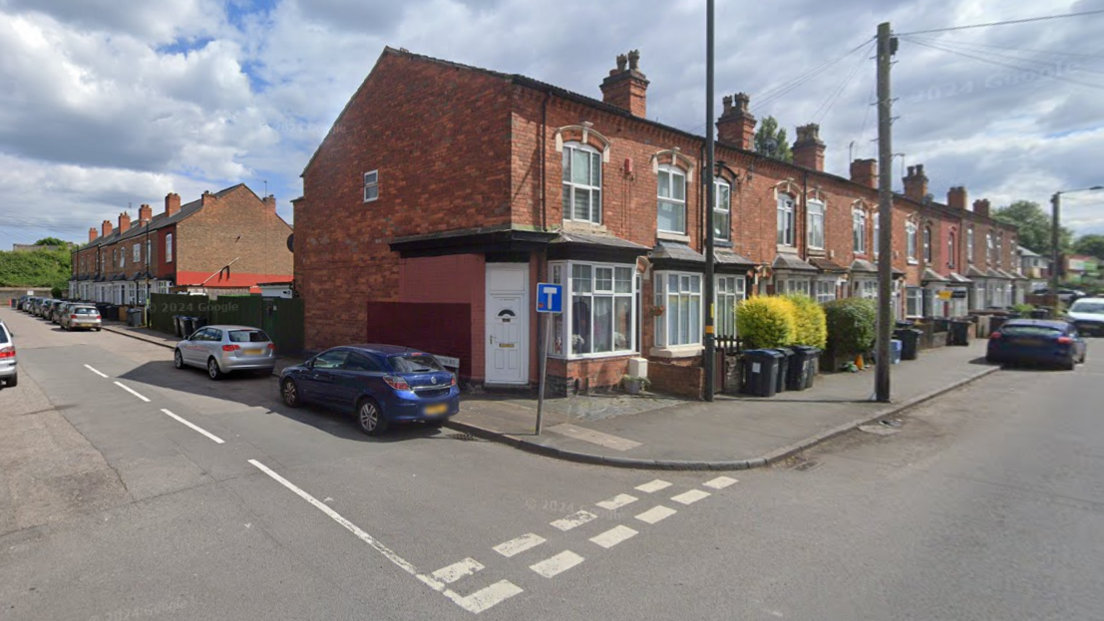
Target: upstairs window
970,245
137,253
786,223
951,250
877,238
910,241
371,186
722,210
989,247
858,230
671,210
814,214
582,183
927,245
169,248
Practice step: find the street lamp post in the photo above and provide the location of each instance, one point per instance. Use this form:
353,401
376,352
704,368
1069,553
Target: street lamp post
1055,237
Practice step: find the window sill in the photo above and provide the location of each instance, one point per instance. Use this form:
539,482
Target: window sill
913,262
583,226
676,351
672,236
599,356
722,243
786,249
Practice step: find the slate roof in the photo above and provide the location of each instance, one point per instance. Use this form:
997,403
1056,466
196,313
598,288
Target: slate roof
827,265
792,262
675,251
590,239
956,278
931,275
860,265
974,272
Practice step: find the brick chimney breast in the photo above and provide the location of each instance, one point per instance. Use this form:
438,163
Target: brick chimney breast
626,87
808,149
956,197
124,222
916,183
270,202
865,172
93,234
981,206
172,203
106,228
145,214
736,125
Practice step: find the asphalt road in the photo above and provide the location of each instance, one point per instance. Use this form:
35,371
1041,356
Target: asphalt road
987,504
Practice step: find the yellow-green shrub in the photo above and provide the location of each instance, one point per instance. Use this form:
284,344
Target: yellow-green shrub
811,322
766,321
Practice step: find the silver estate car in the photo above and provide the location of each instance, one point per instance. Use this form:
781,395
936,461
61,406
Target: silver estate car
224,349
9,374
81,316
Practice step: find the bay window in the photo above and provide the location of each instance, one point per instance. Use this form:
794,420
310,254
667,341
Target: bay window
793,284
722,210
786,222
671,210
824,290
679,294
914,302
815,222
582,183
600,310
866,288
730,291
858,230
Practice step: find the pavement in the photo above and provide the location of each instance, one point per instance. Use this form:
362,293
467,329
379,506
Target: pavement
732,433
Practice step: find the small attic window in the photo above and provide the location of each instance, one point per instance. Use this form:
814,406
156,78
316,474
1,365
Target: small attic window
371,186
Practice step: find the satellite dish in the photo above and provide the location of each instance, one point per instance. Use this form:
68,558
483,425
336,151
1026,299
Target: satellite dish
291,243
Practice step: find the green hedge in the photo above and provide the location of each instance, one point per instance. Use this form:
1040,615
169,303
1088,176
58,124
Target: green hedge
766,321
852,325
811,323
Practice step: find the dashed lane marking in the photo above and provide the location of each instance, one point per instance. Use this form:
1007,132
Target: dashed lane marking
193,427
95,371
656,514
456,571
573,520
132,391
551,567
616,502
514,547
653,486
690,497
614,536
720,482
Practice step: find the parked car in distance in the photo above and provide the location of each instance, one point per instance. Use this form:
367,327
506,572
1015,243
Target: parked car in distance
47,308
1065,295
380,384
1037,341
21,301
81,317
9,371
1088,315
225,349
58,310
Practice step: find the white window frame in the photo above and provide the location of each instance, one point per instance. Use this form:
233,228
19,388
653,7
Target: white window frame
876,242
168,248
562,272
674,173
676,312
137,254
952,249
722,208
122,258
914,301
793,284
866,288
824,290
858,230
989,248
594,207
814,222
970,244
929,254
728,292
911,241
371,186
786,220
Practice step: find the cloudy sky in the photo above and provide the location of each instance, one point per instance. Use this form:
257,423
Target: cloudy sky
110,103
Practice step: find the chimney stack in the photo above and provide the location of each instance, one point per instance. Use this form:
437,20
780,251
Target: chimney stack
981,206
92,234
956,197
106,228
172,203
916,183
627,88
124,222
145,214
808,149
865,172
737,125
207,198
270,202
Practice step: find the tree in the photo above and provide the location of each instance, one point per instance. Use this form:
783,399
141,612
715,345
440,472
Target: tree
51,241
1034,226
1092,245
770,140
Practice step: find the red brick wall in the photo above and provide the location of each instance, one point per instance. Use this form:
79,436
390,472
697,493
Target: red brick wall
451,279
440,138
678,378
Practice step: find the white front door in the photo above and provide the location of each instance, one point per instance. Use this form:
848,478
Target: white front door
507,343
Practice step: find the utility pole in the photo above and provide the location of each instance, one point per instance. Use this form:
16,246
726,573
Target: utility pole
886,45
710,156
1056,253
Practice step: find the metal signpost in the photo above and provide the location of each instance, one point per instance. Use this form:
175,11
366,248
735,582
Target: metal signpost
549,302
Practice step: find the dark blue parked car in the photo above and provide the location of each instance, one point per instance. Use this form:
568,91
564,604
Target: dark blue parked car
382,384
1039,341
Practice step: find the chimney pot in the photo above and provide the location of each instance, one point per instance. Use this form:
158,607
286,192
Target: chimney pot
270,202
916,183
808,149
172,203
145,214
627,88
106,228
981,206
124,222
92,234
736,125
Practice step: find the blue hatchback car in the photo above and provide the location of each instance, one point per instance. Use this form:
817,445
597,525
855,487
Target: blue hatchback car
381,384
1038,341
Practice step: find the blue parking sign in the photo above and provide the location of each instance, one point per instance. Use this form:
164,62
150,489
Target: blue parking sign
549,298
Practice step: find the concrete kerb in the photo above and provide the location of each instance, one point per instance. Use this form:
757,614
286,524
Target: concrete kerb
785,452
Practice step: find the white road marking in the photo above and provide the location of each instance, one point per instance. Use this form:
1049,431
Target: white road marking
653,486
194,427
690,497
613,536
456,571
132,391
655,514
558,564
573,520
595,437
485,598
720,482
616,502
95,371
514,547
471,603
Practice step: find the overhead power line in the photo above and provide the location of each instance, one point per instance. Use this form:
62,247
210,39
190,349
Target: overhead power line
1004,64
1004,23
785,88
967,47
1013,49
834,96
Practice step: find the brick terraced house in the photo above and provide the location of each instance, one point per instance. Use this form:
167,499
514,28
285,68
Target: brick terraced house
224,242
450,191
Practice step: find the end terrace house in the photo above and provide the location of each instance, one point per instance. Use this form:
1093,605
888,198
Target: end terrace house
223,242
443,193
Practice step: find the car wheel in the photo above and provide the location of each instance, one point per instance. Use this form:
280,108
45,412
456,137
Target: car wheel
1070,365
289,391
370,418
213,370
178,359
435,424
13,381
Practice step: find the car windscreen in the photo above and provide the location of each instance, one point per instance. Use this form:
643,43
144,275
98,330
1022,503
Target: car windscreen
415,363
1031,331
248,336
1092,308
85,310
3,335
